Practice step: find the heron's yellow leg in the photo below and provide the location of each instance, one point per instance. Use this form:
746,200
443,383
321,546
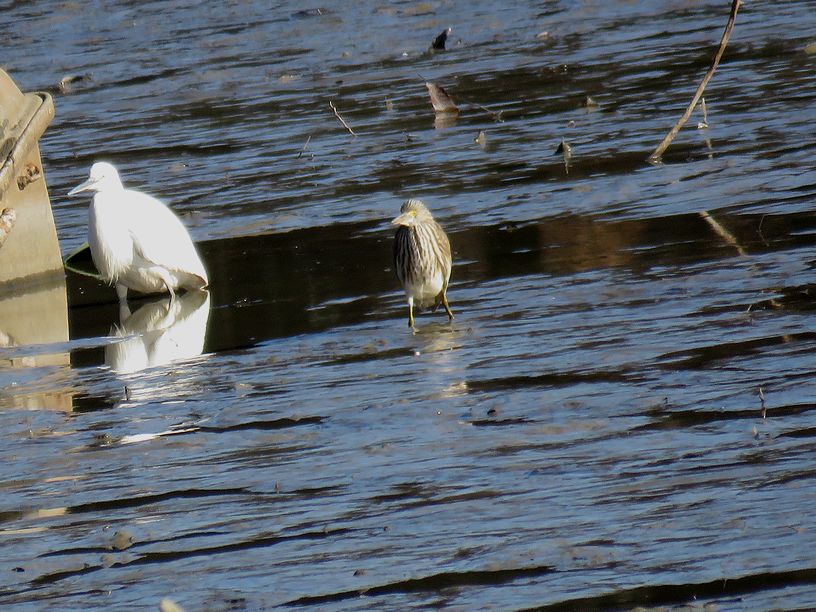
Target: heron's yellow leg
446,305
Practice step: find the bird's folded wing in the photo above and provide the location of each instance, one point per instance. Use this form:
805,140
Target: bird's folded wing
160,237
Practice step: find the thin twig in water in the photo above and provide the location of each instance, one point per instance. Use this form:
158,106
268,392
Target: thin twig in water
703,125
306,144
343,121
497,116
762,402
658,152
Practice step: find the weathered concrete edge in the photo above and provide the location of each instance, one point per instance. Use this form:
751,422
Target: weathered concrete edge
28,139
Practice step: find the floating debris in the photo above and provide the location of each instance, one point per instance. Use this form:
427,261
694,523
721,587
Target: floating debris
122,540
545,35
177,167
7,220
811,49
590,102
314,12
389,105
168,605
565,149
481,140
103,439
421,8
440,100
66,82
438,43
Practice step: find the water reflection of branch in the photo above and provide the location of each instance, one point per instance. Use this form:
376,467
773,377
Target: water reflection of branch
159,332
722,232
759,231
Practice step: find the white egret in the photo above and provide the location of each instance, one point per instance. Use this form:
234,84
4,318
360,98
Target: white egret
136,241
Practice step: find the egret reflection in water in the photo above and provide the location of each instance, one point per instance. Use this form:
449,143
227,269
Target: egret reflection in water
159,332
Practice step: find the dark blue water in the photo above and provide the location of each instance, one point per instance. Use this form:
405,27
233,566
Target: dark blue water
587,434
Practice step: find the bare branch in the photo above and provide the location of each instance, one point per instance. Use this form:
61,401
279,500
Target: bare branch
658,152
343,121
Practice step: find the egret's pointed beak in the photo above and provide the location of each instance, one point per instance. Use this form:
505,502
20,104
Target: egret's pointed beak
89,184
407,219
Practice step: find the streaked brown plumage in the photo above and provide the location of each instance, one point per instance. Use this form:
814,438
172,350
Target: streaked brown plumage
422,258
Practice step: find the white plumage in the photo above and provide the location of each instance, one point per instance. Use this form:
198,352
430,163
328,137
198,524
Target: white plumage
159,333
136,241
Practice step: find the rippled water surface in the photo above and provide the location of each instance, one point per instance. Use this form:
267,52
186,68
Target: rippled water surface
620,415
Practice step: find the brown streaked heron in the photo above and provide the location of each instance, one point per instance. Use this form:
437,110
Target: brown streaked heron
422,258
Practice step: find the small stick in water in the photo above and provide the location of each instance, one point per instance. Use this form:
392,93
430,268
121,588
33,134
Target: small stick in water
343,121
497,115
703,125
306,144
658,152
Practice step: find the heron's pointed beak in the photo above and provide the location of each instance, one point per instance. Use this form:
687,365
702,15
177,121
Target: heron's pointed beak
89,184
407,219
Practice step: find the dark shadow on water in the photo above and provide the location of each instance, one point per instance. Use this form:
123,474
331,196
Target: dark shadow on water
311,280
667,594
430,584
